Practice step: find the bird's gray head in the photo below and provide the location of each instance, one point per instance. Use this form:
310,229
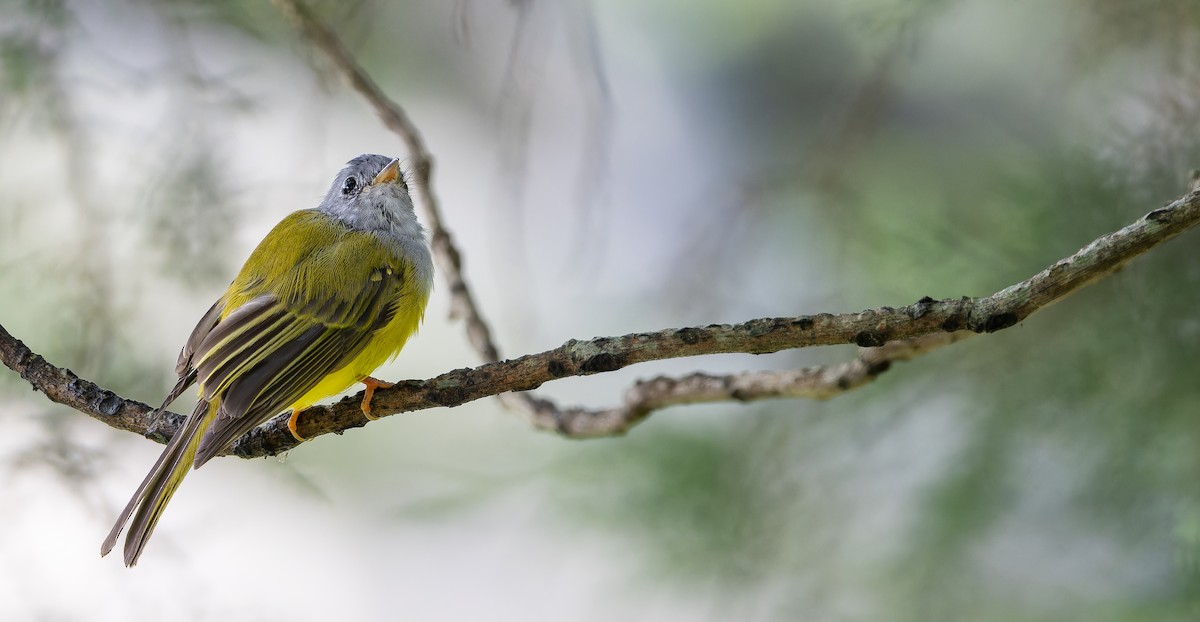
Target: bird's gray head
370,193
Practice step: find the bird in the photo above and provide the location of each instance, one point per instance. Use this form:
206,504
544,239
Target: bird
329,295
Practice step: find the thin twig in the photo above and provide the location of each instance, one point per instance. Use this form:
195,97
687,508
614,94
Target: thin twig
820,383
397,120
449,260
919,328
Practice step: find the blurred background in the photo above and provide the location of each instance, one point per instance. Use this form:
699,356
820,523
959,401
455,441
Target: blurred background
609,167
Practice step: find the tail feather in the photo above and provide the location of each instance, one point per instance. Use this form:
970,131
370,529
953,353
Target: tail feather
155,491
184,382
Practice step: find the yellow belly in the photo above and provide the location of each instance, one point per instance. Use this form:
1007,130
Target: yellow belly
384,346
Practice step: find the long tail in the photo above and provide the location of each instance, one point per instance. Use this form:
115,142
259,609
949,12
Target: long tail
156,490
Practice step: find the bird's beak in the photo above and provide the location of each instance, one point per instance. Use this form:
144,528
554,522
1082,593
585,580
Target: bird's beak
389,174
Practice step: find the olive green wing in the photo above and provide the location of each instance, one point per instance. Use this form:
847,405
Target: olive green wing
268,353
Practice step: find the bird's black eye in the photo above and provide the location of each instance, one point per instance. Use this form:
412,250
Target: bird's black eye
350,185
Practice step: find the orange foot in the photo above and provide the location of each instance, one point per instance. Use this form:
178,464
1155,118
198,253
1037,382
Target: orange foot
372,384
292,425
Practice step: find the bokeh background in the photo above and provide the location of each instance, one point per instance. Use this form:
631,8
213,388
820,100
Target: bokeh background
608,167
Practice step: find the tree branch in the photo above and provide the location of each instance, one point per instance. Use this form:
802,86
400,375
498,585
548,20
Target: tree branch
888,335
885,334
820,382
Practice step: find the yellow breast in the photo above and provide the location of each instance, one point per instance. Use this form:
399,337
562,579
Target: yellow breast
316,267
383,347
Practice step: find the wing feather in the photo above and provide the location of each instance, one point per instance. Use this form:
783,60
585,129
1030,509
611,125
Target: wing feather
238,354
280,352
278,382
183,365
